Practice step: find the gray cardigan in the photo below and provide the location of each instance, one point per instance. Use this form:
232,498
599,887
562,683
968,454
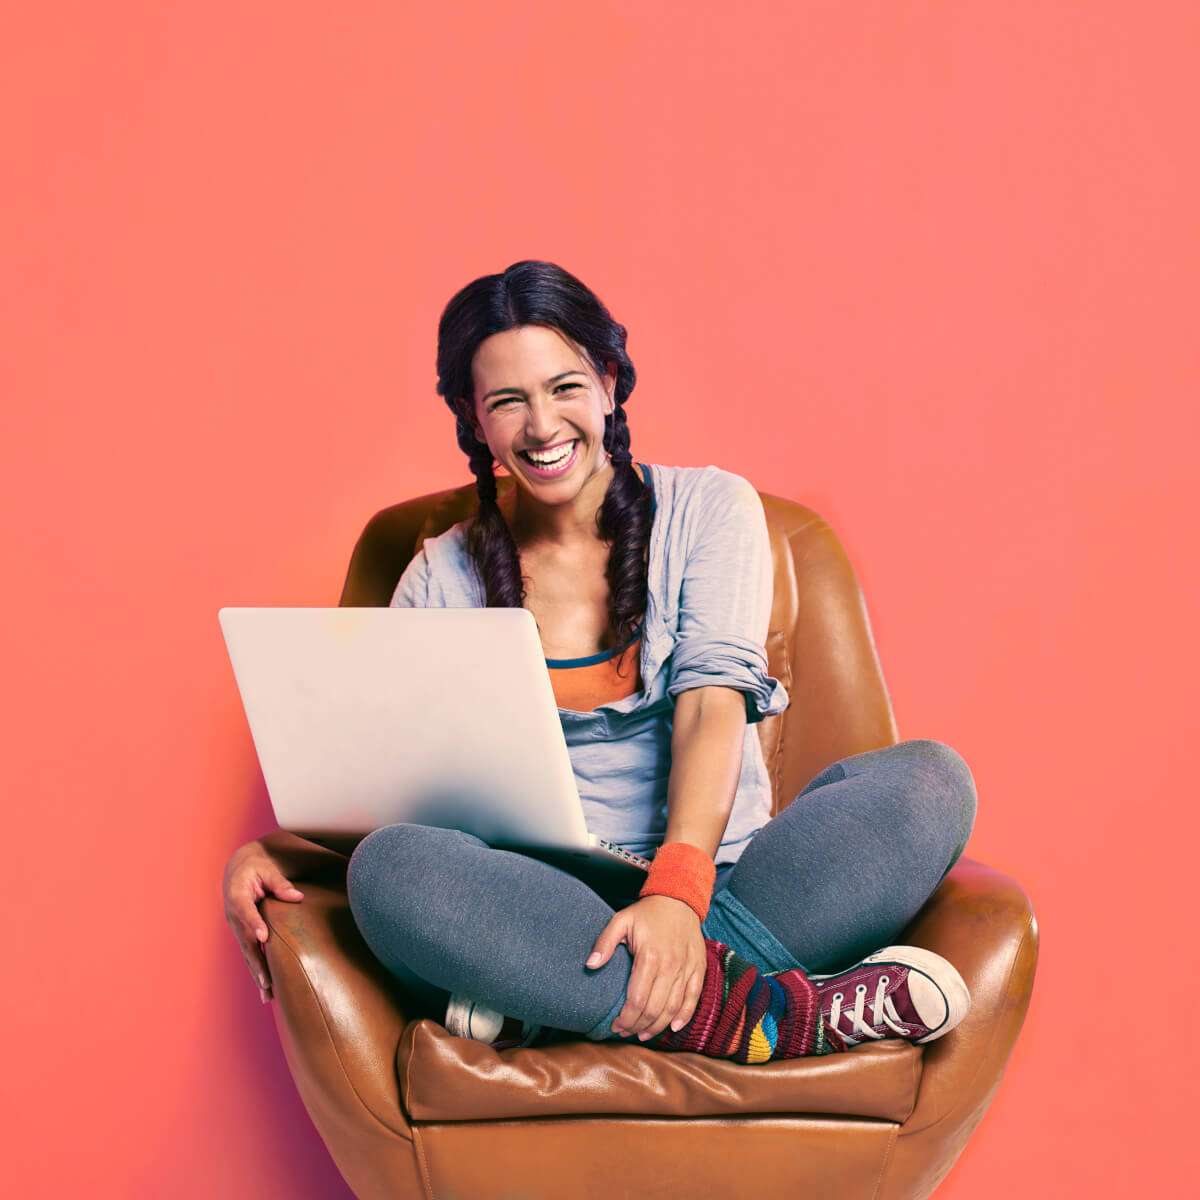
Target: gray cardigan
710,588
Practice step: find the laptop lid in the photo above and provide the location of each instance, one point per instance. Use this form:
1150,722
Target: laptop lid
364,717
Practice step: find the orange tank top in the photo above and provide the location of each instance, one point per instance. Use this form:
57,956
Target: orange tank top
585,683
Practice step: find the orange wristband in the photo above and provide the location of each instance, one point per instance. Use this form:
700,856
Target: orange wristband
684,872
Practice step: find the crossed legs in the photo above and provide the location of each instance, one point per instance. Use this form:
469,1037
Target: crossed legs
836,875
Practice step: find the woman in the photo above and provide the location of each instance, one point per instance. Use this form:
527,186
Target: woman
752,938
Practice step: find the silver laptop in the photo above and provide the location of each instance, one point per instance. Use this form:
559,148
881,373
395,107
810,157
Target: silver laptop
364,717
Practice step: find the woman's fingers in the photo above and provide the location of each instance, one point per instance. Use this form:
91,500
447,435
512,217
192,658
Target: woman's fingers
251,875
282,887
691,997
256,960
672,993
637,994
250,928
658,987
273,881
669,1009
611,936
257,932
245,921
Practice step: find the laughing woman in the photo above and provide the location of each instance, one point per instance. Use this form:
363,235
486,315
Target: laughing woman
752,937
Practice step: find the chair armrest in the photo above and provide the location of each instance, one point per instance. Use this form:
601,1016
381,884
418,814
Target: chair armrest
982,921
338,1010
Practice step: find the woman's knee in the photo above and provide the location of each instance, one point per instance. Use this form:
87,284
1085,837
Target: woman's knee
371,858
387,858
402,853
942,775
939,758
379,847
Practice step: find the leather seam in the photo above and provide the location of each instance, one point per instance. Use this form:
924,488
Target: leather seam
423,1164
886,1160
918,1070
408,1084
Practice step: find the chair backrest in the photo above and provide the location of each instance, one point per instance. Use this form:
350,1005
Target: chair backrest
819,644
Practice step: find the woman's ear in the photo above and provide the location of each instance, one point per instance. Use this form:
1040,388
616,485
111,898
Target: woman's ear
610,386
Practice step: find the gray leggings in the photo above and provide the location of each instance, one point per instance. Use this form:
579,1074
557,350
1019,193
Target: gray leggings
836,875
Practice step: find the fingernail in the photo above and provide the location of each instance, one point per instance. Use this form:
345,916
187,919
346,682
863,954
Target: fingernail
262,935
262,996
643,1035
593,959
676,1025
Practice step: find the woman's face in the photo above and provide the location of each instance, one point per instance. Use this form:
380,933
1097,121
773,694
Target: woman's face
536,390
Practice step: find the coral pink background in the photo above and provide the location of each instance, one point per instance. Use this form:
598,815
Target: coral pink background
928,268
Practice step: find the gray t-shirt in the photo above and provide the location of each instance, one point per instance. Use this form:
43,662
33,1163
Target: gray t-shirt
710,588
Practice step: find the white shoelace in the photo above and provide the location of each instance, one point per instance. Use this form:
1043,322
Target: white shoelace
883,1011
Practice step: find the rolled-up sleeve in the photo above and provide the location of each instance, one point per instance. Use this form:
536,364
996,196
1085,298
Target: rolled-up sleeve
725,599
412,591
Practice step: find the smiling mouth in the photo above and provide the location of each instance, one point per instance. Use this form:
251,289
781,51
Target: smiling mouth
563,450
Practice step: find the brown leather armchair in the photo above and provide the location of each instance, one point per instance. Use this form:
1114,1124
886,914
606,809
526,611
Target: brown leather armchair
407,1110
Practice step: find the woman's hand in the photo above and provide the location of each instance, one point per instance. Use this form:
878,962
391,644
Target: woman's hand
251,874
663,934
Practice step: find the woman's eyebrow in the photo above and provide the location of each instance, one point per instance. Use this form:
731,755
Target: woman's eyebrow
552,379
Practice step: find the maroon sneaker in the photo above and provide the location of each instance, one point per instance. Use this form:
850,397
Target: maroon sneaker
897,992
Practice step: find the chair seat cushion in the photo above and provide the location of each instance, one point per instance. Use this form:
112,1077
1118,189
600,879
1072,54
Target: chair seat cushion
448,1078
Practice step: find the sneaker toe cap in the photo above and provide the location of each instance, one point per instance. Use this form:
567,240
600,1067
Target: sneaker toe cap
928,1000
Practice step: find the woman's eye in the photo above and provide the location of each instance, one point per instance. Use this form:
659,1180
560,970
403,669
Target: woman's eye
516,399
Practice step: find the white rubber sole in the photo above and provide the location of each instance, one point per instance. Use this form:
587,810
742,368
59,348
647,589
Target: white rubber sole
934,985
469,1019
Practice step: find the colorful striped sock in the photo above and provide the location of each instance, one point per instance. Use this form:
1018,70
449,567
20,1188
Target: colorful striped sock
751,1017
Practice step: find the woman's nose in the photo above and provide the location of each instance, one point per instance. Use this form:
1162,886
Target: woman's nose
543,422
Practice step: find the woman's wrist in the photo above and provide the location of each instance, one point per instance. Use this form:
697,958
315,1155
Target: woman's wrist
683,872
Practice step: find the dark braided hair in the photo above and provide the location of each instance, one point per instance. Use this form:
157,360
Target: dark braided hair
532,292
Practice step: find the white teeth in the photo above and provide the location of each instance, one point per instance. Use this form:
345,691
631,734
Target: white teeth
551,460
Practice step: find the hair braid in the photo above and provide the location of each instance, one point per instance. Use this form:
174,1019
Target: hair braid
489,539
625,525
